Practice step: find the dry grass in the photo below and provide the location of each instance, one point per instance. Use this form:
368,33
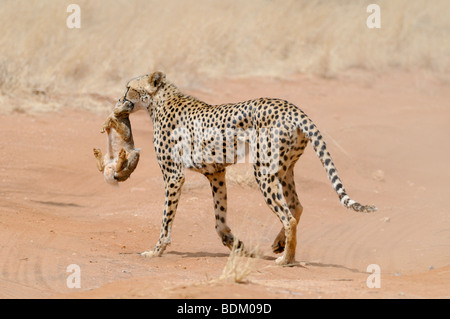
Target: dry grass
239,265
195,40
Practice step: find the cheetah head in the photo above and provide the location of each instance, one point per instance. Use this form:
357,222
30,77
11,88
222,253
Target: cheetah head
140,90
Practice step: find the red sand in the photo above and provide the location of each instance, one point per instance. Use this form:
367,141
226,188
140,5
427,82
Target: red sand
388,137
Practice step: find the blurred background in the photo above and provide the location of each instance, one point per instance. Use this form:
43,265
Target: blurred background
197,40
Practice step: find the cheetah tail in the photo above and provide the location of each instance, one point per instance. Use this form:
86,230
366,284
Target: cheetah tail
315,137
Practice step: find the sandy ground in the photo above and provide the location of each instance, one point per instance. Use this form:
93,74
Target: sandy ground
388,136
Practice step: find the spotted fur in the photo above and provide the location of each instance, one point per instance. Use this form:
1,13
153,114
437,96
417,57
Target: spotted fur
288,130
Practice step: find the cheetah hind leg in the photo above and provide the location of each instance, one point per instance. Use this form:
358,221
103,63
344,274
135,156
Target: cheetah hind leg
273,194
294,205
280,241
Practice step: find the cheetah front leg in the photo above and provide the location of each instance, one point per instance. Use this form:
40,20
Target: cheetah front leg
173,183
219,191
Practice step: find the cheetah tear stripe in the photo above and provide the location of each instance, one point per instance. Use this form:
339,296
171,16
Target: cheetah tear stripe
310,130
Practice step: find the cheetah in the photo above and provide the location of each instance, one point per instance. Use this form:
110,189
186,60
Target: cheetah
192,134
121,158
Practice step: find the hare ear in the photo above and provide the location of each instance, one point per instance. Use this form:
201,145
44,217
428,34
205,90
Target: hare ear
156,79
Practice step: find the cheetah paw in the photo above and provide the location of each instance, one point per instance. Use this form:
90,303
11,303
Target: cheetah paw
278,247
147,254
282,261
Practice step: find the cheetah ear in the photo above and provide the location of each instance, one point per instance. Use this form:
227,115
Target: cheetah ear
156,79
